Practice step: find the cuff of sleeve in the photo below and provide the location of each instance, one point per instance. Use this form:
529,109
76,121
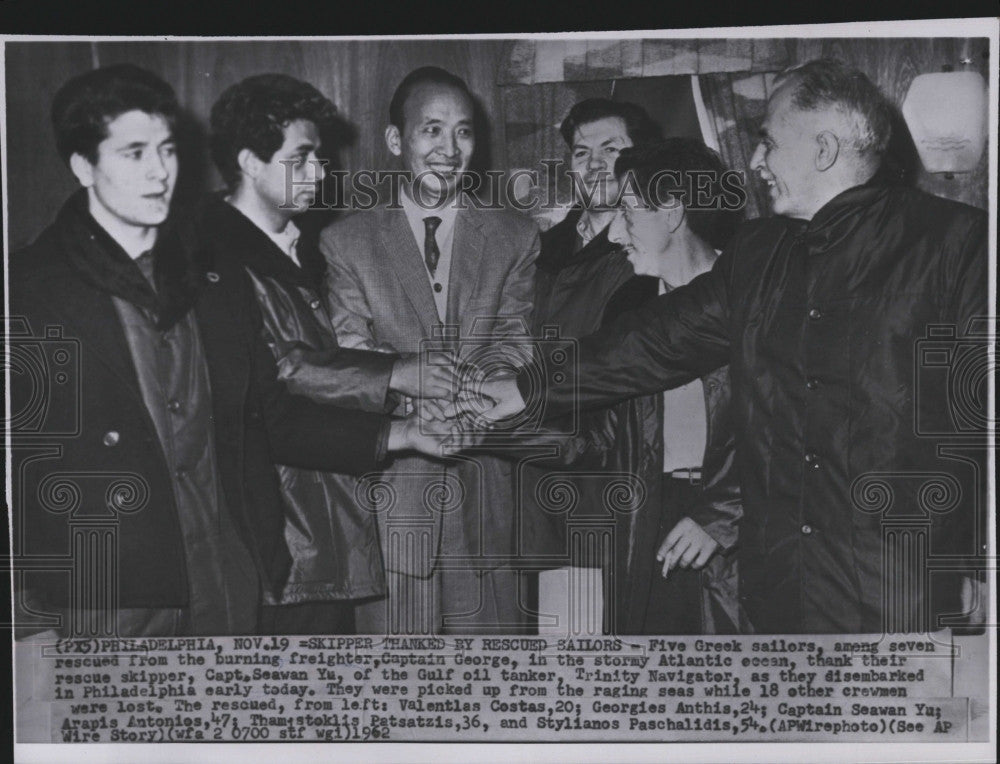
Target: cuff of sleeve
720,529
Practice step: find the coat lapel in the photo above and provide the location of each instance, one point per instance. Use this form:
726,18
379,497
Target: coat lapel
466,264
406,261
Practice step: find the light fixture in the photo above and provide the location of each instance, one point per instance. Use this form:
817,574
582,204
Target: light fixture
946,114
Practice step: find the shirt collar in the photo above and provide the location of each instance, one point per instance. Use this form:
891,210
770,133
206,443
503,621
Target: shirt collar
415,214
285,240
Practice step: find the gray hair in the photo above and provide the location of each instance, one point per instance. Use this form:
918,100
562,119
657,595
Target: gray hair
827,82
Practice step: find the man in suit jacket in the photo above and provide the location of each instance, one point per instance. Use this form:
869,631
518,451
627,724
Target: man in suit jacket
146,470
398,275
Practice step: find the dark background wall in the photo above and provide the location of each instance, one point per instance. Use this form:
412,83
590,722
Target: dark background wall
359,77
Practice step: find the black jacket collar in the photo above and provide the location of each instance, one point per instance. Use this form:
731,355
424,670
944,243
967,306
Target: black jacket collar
101,261
227,227
840,216
559,241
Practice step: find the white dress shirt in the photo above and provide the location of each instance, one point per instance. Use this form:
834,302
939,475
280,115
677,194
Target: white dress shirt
445,237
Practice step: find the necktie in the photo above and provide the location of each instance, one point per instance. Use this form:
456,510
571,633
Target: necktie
431,252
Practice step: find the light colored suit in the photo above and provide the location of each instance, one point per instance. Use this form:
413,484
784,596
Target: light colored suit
436,514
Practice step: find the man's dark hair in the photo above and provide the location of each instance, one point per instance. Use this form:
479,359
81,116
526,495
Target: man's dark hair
253,114
425,75
640,126
827,82
695,173
85,104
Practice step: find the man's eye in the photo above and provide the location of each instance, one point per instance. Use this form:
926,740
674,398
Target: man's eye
612,150
579,155
134,154
465,132
432,130
168,151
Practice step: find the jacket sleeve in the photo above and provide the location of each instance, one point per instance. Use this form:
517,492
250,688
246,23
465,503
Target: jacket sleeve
356,379
303,433
345,296
318,368
668,341
719,506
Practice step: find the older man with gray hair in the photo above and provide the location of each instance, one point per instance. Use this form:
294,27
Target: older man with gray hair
860,512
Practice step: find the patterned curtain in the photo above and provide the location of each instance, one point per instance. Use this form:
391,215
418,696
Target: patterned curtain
734,107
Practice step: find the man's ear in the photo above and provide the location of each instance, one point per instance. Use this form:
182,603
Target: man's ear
393,140
249,163
82,169
827,149
674,215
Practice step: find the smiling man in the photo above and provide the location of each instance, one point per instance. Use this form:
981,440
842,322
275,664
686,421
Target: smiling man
818,310
396,277
179,407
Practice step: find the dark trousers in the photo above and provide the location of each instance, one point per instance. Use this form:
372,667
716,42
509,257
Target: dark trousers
674,605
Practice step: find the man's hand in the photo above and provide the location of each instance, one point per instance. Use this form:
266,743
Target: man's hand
491,401
413,376
687,545
425,437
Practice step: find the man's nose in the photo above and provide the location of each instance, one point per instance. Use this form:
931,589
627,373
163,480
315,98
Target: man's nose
757,160
157,168
448,145
617,232
596,163
315,169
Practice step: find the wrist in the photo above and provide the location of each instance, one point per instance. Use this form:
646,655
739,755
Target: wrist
398,436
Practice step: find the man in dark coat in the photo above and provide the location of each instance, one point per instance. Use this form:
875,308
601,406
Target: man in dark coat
266,132
852,490
156,489
583,281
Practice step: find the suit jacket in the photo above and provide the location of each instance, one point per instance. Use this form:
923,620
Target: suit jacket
379,294
91,453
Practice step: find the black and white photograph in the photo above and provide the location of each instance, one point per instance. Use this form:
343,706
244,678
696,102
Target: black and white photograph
596,396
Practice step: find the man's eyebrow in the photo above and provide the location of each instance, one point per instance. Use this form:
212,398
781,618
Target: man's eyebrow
134,145
612,139
305,146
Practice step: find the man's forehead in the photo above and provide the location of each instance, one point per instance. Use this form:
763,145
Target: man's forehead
136,125
436,101
300,132
601,130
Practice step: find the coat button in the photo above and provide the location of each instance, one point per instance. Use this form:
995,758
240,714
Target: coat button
812,383
806,530
812,459
438,287
212,276
815,314
314,304
174,406
111,438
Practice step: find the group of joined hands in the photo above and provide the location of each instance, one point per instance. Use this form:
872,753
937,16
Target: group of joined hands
456,404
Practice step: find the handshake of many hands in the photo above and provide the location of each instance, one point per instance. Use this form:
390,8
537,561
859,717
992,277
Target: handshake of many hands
454,404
